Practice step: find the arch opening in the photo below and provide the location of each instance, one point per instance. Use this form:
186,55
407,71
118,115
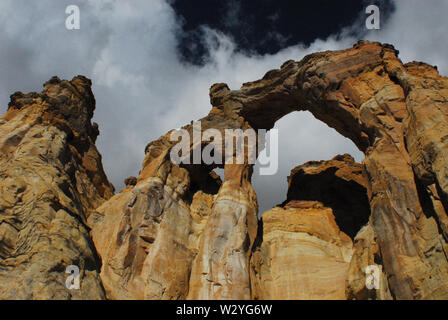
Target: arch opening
303,138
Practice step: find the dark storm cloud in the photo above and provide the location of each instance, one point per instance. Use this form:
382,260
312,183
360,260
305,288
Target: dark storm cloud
267,26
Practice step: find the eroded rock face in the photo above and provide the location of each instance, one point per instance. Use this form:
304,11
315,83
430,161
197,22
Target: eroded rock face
366,252
221,268
303,249
178,231
395,114
51,178
339,184
303,254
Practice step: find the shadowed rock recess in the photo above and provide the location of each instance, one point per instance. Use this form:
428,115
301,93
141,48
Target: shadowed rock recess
180,232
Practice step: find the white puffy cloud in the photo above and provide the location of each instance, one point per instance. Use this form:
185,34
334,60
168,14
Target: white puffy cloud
418,29
128,49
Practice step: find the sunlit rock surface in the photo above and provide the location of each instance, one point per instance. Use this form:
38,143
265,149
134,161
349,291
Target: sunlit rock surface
304,250
51,179
179,232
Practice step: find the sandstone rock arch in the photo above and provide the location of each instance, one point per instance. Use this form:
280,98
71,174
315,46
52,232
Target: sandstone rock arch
180,232
395,113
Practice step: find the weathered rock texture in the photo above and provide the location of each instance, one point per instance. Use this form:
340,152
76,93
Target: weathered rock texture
395,113
339,184
304,250
51,178
304,255
178,231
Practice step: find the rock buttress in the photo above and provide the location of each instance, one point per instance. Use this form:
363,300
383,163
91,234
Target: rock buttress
179,232
51,178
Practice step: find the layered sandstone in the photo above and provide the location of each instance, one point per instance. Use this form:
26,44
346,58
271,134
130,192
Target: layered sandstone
177,231
304,250
304,255
393,112
51,178
339,184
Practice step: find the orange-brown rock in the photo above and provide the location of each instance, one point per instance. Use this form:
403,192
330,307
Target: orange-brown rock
178,231
303,249
51,178
303,254
366,252
339,184
221,268
396,115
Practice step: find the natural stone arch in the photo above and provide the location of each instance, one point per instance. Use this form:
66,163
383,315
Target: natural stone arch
370,97
396,114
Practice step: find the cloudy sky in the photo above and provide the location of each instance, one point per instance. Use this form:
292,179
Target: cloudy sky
152,62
